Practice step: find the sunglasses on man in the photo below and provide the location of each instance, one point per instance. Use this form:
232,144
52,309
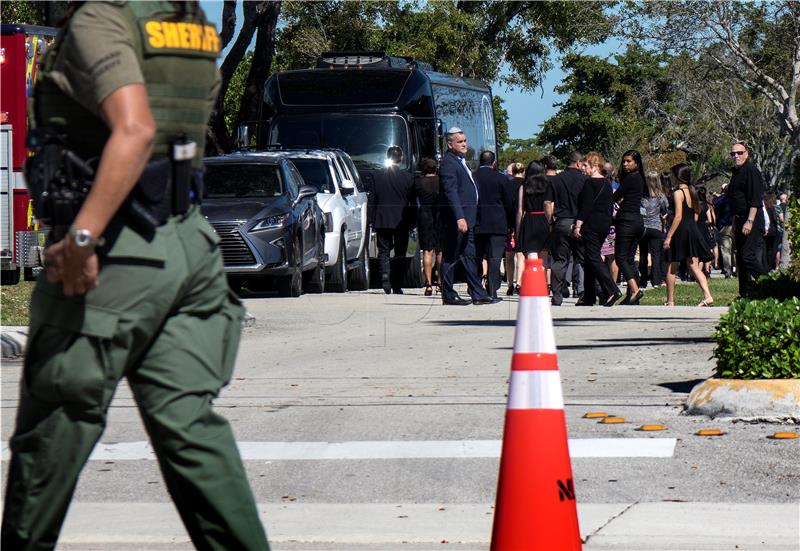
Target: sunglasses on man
737,153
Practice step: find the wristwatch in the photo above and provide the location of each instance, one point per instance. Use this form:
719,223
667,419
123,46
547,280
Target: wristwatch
84,238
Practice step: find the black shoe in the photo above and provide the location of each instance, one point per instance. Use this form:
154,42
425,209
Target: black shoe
485,300
457,301
397,291
554,303
636,298
510,291
610,301
565,292
582,302
387,286
626,300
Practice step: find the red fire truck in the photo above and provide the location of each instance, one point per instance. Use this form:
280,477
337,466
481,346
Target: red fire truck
21,48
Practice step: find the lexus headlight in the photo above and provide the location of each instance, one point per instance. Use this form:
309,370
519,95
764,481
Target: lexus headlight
328,222
271,222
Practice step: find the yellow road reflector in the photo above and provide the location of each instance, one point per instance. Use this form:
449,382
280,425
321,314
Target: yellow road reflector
709,432
784,436
652,427
595,415
612,420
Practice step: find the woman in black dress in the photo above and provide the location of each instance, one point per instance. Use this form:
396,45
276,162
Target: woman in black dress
515,261
534,212
592,227
629,224
427,190
684,241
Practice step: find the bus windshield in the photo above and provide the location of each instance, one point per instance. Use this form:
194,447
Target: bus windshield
366,138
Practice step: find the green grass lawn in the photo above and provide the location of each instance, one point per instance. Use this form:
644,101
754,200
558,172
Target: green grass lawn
14,303
724,292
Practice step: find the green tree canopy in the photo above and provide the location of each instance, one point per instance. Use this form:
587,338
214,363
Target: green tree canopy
602,111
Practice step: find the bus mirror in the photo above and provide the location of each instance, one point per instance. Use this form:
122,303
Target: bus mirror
243,136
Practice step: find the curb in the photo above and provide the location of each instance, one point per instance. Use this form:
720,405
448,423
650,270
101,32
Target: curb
760,399
13,339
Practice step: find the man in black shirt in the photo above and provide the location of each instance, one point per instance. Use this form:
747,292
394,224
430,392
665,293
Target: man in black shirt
566,188
745,191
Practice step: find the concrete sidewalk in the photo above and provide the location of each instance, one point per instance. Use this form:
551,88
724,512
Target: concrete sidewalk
382,527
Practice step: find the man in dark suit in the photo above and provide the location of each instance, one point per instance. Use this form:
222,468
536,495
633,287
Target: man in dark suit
495,206
566,188
391,194
459,196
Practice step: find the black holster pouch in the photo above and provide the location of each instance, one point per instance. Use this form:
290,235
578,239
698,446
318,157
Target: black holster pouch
57,179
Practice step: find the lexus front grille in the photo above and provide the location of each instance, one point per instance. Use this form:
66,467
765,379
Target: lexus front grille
235,251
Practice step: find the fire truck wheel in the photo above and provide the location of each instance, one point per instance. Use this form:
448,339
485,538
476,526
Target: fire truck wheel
9,277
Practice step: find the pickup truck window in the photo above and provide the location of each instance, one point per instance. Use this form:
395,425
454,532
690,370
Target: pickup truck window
243,180
315,173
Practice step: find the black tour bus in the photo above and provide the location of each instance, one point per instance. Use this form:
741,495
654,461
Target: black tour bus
366,102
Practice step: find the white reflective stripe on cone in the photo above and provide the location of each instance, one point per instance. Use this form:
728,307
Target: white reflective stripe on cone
534,326
535,390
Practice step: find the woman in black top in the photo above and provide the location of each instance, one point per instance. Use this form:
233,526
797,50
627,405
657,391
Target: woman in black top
427,189
592,226
629,225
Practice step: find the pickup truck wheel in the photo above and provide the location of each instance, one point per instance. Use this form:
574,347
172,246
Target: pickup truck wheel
292,285
338,276
315,279
359,277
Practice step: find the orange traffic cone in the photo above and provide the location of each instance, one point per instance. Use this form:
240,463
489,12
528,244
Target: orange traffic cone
535,507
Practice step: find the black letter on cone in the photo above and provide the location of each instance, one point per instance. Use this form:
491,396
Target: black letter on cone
566,490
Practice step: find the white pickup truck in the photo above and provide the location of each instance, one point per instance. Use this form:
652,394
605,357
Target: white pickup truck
343,201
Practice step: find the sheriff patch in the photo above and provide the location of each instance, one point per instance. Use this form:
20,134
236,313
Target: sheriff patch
180,38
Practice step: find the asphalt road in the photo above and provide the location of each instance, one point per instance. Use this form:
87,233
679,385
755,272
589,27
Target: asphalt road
367,367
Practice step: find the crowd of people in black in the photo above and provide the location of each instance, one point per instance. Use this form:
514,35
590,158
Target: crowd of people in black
600,229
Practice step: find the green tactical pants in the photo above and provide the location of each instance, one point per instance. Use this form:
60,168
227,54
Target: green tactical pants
163,317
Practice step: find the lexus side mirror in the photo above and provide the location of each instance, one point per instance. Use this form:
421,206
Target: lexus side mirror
348,187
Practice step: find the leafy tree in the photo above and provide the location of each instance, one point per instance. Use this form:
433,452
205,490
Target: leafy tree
755,43
468,39
260,19
500,120
19,11
520,151
603,111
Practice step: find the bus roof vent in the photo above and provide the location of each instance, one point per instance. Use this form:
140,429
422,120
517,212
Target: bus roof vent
375,59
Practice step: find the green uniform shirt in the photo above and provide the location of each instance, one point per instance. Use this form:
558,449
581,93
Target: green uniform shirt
97,56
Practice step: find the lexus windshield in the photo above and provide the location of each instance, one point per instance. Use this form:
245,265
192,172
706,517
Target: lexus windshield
242,180
366,138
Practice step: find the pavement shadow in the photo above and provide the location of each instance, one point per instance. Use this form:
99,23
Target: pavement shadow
682,387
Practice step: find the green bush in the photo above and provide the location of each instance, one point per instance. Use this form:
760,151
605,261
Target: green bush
759,339
777,285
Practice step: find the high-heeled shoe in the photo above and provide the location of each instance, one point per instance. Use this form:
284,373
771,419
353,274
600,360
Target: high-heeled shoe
428,291
706,303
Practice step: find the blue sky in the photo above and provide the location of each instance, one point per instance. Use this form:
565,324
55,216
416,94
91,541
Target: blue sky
526,110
